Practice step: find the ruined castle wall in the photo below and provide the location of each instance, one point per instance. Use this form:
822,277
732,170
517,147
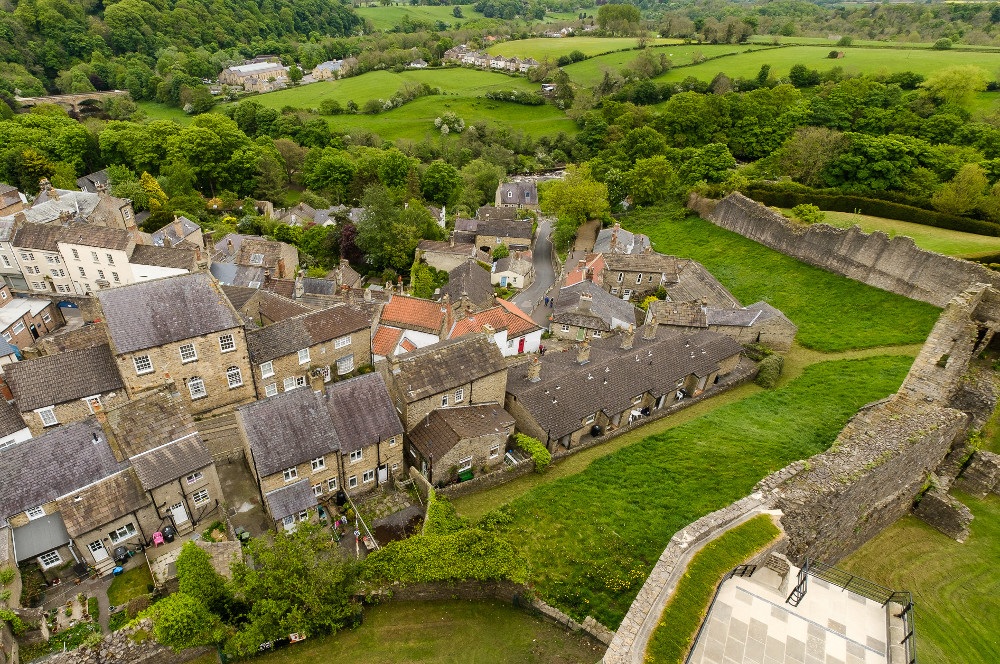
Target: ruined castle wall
893,264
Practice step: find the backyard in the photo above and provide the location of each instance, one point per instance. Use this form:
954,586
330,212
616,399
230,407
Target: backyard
833,313
129,584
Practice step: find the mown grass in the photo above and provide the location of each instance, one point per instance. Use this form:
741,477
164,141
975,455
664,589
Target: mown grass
445,632
833,313
592,538
129,584
956,590
684,613
941,240
544,47
156,111
589,72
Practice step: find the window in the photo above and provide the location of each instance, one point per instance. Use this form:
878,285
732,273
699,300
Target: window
345,365
596,334
194,477
368,476
200,497
115,277
395,466
459,395
304,515
226,343
188,353
126,213
352,481
18,327
289,474
62,289
638,279
590,418
318,463
444,400
48,416
7,337
111,259
234,376
510,343
143,365
76,254
254,284
565,328
46,317
27,256
100,275
38,286
271,390
510,194
621,277
392,442
6,261
123,533
93,256
289,384
464,464
49,559
49,258
197,387
94,403
267,370
55,272
256,259
650,279
342,341
636,399
413,453
627,293
495,451
33,270
356,456
35,513
83,273
304,356
288,522
317,489
331,484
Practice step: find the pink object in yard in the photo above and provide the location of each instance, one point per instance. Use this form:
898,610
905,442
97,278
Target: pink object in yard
157,539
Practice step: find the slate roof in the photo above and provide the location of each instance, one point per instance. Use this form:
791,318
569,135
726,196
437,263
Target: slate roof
41,469
462,224
313,286
645,262
290,500
385,340
6,228
505,228
88,182
512,264
8,195
10,419
626,242
440,431
733,317
414,313
63,377
271,250
238,295
459,249
97,236
103,502
604,307
681,314
303,331
494,213
362,411
521,193
694,282
169,232
231,274
44,237
567,392
223,248
469,278
165,464
176,257
149,421
288,429
279,308
46,207
162,311
439,367
767,312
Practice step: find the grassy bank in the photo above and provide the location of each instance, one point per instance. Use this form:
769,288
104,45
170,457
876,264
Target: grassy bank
833,313
543,47
956,590
592,538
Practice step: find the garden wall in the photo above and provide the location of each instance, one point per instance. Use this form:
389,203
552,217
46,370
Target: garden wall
131,645
893,264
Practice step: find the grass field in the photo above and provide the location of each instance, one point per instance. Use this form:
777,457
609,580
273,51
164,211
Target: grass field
156,111
592,538
832,43
590,71
129,584
941,240
857,60
833,313
385,18
542,47
956,590
445,632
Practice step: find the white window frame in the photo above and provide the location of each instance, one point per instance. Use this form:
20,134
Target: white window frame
126,532
352,481
111,259
288,522
345,365
319,463
18,327
95,257
341,342
140,362
200,497
304,356
46,317
565,328
270,390
90,403
188,353
223,343
465,464
76,254
194,477
590,419
234,373
6,261
199,383
288,384
636,399
318,489
459,395
35,512
256,259
83,273
267,369
495,451
100,275
621,277
46,564
7,337
116,278
331,484
368,476
357,455
48,416
596,334
289,474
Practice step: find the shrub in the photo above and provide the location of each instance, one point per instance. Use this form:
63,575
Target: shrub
808,213
770,371
535,448
93,608
16,624
330,107
7,575
118,620
441,516
942,44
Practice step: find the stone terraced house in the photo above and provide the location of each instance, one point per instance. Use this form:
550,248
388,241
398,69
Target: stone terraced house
453,443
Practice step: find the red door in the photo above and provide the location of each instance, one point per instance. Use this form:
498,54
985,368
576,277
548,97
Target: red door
520,345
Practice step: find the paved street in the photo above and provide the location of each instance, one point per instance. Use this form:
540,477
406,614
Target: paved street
544,276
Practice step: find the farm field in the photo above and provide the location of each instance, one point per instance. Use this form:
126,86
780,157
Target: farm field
445,632
860,60
955,586
824,41
592,538
590,71
385,18
156,111
542,47
833,313
941,240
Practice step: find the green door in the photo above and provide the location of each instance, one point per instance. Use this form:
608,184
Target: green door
580,333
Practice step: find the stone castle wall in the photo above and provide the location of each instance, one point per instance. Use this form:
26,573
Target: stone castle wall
894,264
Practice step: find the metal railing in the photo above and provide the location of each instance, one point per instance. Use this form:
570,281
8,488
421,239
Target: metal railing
739,570
801,586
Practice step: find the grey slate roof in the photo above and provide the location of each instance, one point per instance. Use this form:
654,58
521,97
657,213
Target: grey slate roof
732,317
302,331
165,464
288,429
439,367
469,278
290,500
493,213
153,313
363,412
231,274
694,282
177,257
46,208
10,419
103,502
88,182
626,242
604,307
44,468
314,286
645,262
41,236
150,420
521,193
505,228
238,295
512,264
440,431
40,535
767,312
169,232
55,379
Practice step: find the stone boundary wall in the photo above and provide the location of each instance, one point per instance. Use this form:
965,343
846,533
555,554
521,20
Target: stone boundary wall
121,648
489,480
894,264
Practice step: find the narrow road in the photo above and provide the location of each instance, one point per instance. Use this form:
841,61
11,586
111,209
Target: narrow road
541,259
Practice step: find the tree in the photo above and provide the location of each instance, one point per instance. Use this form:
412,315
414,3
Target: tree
199,579
381,236
577,197
182,621
808,213
394,167
292,154
964,193
269,183
942,44
457,12
652,180
957,85
157,197
619,19
501,252
440,182
294,74
712,163
807,153
480,180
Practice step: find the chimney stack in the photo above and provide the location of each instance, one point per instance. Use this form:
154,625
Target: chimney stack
650,330
368,295
585,301
451,240
206,237
300,287
581,264
590,274
267,277
534,370
583,352
281,268
628,336
178,228
489,329
229,247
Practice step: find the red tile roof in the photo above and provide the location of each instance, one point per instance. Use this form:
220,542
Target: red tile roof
414,313
385,340
408,345
507,317
594,262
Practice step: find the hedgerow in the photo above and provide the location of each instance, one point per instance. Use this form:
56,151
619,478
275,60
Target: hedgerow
534,447
770,371
441,517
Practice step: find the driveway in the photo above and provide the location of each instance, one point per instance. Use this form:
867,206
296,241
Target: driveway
541,259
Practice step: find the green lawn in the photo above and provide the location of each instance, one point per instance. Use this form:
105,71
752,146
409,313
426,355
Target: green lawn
857,60
544,47
445,632
941,240
833,313
684,613
956,590
592,538
156,111
129,584
832,43
385,18
589,72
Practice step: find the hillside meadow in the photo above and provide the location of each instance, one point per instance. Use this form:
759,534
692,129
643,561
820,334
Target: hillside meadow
543,47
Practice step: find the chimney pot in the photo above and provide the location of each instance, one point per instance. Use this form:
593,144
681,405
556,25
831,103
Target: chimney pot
586,299
534,370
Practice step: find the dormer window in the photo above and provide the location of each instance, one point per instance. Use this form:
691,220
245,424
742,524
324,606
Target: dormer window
48,416
256,259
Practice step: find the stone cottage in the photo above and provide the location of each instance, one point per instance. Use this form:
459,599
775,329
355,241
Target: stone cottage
454,443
